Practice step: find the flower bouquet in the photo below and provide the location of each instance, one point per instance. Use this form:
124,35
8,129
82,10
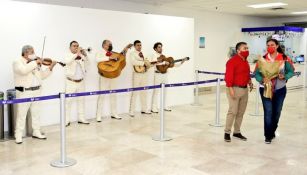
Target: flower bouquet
269,70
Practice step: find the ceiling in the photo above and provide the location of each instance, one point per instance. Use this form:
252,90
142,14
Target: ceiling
223,6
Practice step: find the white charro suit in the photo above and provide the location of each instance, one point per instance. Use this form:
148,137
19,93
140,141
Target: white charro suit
28,75
139,80
105,84
159,78
75,73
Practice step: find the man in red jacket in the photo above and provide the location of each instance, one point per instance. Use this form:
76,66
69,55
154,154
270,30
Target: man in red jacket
237,78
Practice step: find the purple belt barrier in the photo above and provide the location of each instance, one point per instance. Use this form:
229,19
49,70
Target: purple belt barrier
50,97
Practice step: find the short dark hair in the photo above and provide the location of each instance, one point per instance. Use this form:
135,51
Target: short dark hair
239,44
73,43
136,42
156,45
104,42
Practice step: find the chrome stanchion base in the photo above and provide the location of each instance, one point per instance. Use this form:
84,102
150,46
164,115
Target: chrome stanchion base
157,138
216,125
60,164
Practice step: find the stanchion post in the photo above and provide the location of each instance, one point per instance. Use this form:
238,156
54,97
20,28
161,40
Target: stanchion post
64,161
257,94
218,103
196,96
305,80
1,117
162,136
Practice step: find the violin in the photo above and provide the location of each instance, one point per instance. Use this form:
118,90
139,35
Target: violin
48,62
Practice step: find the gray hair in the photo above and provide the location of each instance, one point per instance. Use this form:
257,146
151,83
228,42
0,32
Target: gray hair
25,49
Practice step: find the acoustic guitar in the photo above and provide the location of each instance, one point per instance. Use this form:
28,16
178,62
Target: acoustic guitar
113,68
163,68
143,69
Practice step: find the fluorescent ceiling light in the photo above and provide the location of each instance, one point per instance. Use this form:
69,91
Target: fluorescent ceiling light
299,13
277,4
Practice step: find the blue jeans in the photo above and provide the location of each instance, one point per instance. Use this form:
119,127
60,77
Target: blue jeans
272,110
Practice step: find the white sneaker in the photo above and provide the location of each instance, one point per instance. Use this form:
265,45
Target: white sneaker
18,138
83,121
115,116
167,109
131,114
155,110
38,135
145,112
98,119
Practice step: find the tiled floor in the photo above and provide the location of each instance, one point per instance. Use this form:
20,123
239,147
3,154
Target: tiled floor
126,147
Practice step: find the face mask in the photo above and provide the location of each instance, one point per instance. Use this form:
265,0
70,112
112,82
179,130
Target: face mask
32,57
271,50
244,54
110,48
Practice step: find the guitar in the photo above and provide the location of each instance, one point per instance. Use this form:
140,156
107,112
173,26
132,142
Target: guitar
163,68
143,69
113,68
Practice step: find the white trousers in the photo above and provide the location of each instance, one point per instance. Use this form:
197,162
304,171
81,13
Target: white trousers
107,84
158,79
139,80
22,110
73,87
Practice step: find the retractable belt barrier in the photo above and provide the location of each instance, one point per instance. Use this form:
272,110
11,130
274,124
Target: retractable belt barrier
65,162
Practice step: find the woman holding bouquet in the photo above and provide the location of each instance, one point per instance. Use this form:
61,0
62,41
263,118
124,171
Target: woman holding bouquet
272,72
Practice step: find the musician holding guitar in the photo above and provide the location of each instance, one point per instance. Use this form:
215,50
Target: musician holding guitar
28,76
160,75
139,78
110,65
76,61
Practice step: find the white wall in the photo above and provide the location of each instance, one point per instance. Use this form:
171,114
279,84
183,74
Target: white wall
221,30
27,23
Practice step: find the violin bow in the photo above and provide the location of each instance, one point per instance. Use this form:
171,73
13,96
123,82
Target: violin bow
43,47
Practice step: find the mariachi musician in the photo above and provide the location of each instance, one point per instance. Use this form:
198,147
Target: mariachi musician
139,78
106,55
76,62
159,77
28,76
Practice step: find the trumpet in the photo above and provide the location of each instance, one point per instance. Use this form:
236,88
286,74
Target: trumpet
85,51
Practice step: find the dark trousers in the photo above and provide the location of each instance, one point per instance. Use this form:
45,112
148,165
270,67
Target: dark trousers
272,110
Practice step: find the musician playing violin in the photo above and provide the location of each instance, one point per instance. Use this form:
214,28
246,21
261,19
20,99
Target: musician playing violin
28,76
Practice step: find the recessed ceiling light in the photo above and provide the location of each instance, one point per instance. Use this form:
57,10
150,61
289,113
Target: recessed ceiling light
299,13
267,5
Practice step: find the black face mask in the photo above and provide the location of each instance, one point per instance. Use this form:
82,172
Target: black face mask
110,48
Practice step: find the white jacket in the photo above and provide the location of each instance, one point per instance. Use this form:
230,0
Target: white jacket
154,57
101,56
24,73
71,64
136,60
